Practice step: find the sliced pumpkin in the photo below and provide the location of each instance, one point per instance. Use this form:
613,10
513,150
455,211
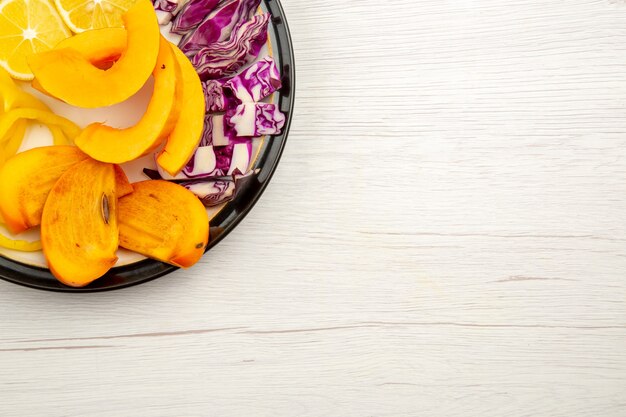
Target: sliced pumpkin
79,231
108,144
184,139
101,47
164,221
105,45
69,75
26,180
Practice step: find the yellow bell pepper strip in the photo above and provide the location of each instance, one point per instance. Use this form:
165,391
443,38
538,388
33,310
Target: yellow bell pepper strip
58,138
14,97
13,124
69,129
11,144
20,99
19,245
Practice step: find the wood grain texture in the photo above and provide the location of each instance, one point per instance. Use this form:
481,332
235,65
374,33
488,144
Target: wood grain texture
445,236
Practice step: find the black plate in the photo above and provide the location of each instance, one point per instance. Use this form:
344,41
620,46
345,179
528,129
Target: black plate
224,222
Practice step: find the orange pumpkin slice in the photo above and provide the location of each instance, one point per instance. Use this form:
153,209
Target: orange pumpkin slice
164,221
79,231
108,144
68,74
184,139
26,180
105,45
101,47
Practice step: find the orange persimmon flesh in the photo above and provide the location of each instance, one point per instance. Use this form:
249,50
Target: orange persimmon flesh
124,187
164,221
68,74
108,144
79,231
184,139
26,180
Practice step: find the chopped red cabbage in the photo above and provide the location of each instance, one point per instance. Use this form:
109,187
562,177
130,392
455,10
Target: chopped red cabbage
222,190
167,9
241,123
254,84
214,192
225,58
255,119
215,161
152,174
192,15
216,27
165,5
216,133
214,95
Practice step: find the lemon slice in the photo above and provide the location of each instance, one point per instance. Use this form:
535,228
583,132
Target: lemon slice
82,15
27,27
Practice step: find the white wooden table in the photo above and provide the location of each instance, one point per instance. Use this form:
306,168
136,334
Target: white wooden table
445,236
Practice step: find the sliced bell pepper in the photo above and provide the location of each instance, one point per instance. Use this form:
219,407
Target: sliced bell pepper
69,129
19,245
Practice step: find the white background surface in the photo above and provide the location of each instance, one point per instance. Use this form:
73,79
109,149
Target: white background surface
445,236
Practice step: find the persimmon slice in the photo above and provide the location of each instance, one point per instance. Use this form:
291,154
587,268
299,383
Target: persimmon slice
26,180
164,221
79,231
124,187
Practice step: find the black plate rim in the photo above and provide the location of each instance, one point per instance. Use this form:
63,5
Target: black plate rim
148,270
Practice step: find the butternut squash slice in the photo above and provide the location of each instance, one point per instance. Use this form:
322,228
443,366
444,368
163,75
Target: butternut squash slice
184,139
108,144
101,47
68,74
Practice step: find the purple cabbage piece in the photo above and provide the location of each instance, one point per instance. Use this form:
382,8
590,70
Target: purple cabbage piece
238,125
252,120
218,25
226,58
257,82
255,119
192,15
167,9
216,133
254,84
165,5
214,95
152,174
214,192
213,162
